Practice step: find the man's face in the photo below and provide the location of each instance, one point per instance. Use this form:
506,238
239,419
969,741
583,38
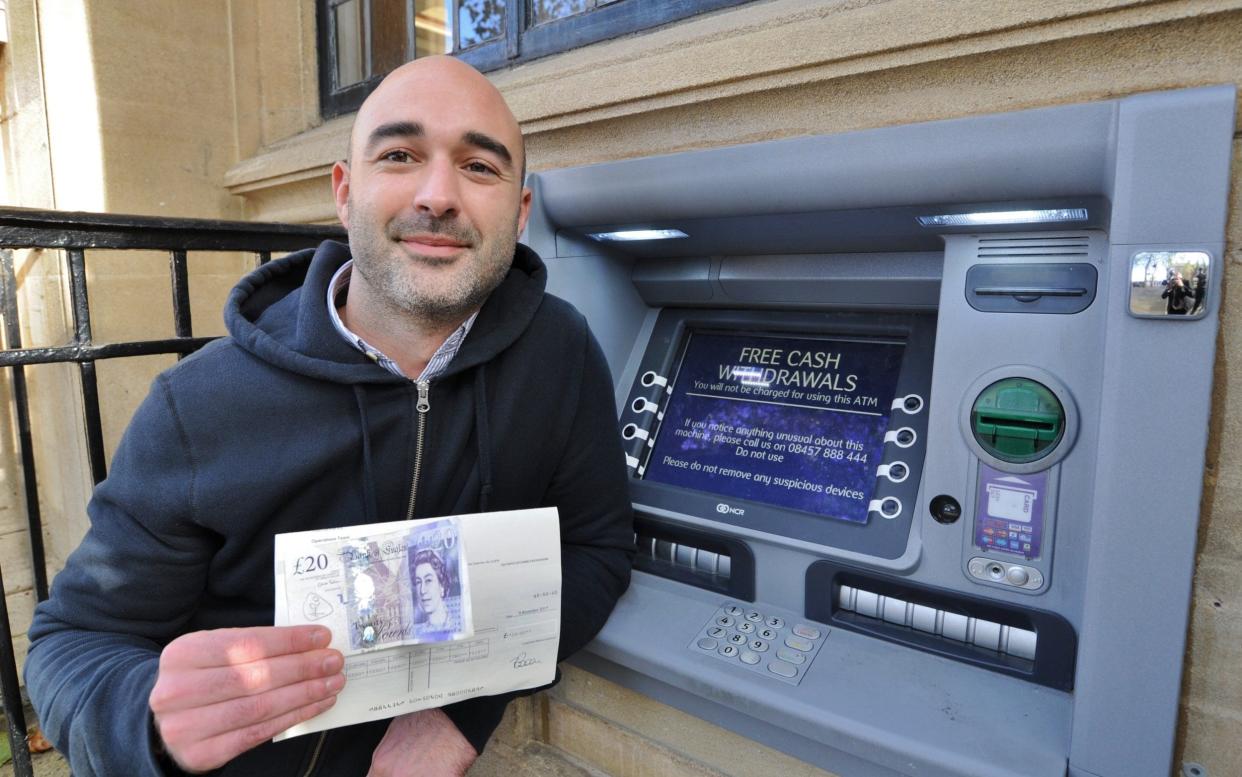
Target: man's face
432,196
427,588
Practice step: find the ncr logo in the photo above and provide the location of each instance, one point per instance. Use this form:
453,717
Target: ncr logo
724,508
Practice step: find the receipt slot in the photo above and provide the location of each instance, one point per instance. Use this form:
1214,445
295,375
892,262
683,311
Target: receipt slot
895,514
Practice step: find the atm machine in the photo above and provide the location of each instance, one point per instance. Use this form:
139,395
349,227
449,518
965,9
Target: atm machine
915,421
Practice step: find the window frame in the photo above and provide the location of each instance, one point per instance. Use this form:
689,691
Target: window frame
521,43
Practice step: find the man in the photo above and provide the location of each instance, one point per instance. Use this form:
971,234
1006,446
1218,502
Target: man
430,376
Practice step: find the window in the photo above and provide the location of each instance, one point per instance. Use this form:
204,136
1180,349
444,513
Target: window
362,40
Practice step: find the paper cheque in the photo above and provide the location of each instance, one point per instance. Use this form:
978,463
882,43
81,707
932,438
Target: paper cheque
427,612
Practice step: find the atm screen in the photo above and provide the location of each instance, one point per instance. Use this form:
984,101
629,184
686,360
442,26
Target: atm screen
795,422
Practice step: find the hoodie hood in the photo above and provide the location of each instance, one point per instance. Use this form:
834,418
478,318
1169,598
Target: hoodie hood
278,313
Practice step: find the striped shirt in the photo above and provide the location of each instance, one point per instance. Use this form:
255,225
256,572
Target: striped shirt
439,360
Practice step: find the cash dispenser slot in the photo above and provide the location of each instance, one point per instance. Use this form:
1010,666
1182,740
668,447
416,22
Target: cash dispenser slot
1034,645
712,562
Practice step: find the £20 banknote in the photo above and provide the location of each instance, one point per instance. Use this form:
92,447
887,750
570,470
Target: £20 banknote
404,585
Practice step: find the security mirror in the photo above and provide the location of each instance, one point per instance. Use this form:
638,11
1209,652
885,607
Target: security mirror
1169,283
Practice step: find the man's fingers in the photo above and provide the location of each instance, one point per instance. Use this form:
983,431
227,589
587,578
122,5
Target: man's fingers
187,689
225,647
243,714
218,750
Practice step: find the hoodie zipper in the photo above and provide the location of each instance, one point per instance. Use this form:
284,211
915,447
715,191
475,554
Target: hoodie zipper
424,405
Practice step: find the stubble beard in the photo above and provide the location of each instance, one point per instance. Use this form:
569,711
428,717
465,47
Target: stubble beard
385,265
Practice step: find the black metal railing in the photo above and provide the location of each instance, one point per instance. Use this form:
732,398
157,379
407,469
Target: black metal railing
76,234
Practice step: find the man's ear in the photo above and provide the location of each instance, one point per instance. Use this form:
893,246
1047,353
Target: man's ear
524,209
340,191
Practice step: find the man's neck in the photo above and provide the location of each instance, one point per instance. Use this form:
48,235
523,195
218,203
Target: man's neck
398,334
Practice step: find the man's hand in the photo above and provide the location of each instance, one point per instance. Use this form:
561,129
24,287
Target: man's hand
424,743
219,693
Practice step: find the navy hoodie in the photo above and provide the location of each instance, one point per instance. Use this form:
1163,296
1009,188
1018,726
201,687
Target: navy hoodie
283,426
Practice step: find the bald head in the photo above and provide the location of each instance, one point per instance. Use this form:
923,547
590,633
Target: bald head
439,83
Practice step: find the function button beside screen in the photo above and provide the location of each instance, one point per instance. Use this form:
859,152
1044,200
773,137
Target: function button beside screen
728,651
903,437
807,632
749,657
650,379
896,472
797,643
633,431
707,643
912,403
792,656
775,622
783,669
890,507
746,627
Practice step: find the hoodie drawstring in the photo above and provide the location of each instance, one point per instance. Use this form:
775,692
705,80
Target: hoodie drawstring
368,472
483,438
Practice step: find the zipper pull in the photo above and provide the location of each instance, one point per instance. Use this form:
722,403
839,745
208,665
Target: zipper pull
424,390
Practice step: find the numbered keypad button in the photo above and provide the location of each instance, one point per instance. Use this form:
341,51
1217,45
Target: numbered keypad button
767,633
758,645
733,610
725,620
717,632
754,616
746,627
737,639
728,651
775,622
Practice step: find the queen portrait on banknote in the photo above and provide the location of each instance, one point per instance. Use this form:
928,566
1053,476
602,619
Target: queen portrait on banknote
438,610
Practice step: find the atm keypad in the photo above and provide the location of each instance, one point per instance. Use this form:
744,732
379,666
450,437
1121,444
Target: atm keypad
760,642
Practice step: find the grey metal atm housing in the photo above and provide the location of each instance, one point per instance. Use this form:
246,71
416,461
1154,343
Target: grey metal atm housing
929,658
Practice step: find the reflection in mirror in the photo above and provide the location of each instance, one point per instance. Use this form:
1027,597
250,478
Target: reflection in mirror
1169,283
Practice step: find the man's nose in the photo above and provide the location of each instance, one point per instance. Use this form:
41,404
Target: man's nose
438,192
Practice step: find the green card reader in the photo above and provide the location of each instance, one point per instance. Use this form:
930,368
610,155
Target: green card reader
1017,420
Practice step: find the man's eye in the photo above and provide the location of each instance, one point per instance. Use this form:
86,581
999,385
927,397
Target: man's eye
480,168
396,156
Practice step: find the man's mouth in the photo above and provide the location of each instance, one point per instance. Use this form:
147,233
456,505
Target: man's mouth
432,244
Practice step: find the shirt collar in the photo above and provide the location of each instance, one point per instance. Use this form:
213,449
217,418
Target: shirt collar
439,361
